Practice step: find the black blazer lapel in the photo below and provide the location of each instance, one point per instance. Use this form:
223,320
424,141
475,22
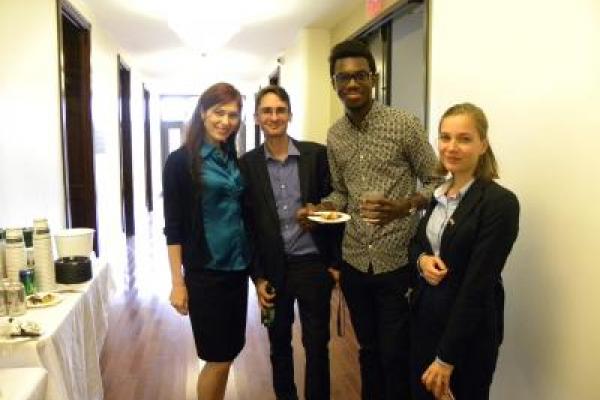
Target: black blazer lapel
472,198
260,163
303,171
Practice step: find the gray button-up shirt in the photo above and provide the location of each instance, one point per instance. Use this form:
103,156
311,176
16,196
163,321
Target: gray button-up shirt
388,152
285,183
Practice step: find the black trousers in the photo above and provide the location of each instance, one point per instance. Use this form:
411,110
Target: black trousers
379,313
309,283
472,375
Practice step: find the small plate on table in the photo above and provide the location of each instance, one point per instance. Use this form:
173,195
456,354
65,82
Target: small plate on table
40,300
14,330
329,217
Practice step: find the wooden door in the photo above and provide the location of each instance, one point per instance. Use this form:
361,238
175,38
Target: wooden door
76,118
127,213
147,150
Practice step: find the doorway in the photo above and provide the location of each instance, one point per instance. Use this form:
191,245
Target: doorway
175,113
127,215
76,120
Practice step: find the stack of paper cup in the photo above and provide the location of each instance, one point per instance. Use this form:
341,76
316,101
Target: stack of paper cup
2,253
15,253
44,259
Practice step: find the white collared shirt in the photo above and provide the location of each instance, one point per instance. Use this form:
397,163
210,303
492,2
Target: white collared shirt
441,215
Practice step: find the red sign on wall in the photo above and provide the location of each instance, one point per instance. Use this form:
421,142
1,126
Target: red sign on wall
374,7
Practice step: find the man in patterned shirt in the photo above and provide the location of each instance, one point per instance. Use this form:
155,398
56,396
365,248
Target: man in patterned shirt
376,155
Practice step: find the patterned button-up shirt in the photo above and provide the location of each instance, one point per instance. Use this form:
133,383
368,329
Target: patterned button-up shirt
387,153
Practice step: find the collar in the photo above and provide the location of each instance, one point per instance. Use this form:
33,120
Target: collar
373,114
292,151
440,192
208,149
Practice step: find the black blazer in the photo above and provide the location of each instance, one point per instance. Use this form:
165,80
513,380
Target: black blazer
468,305
184,222
183,212
313,169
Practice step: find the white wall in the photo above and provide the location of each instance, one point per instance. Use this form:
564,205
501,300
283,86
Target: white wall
533,66
31,182
31,168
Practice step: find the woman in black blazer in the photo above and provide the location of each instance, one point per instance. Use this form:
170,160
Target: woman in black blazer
206,237
460,249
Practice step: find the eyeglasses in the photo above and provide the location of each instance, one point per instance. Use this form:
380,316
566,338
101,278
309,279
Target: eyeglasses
279,111
360,77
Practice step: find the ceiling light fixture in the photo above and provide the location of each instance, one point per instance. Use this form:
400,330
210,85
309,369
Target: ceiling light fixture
205,25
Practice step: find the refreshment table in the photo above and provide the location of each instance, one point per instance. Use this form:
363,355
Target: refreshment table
73,335
23,383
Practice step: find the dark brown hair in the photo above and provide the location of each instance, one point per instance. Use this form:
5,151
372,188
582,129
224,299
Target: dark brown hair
487,168
277,91
219,93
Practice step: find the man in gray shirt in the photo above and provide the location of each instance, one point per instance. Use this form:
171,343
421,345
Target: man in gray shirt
282,176
376,155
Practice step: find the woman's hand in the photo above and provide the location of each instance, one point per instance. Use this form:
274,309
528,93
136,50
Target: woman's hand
436,378
432,269
179,299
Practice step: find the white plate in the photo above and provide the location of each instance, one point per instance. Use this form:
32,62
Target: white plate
318,217
56,298
18,324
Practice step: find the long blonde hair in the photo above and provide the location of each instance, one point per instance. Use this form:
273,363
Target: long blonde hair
487,167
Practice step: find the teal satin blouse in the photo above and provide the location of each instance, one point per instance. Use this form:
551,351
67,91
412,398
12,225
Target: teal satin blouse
222,189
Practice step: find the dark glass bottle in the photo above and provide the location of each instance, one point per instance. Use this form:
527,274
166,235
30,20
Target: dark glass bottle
267,315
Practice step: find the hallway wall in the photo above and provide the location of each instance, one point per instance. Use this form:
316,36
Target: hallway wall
304,74
31,150
31,181
533,67
106,128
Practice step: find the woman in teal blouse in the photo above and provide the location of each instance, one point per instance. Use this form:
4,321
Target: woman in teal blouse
206,235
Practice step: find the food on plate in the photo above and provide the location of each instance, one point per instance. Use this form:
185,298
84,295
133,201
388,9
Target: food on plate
24,328
330,215
38,299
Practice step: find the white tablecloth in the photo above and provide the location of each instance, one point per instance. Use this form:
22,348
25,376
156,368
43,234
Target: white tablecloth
23,383
69,349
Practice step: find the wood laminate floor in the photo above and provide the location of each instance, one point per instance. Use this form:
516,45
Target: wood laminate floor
149,351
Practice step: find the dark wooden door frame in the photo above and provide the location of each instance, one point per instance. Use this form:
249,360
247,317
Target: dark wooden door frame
125,141
147,149
76,118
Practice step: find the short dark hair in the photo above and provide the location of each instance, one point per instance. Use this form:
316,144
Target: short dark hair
277,91
351,48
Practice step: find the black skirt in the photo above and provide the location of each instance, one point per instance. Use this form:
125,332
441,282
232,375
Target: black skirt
217,303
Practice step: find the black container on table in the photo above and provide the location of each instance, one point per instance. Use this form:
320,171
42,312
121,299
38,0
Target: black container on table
73,269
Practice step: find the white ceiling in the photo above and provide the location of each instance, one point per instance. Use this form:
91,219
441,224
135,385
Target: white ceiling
267,28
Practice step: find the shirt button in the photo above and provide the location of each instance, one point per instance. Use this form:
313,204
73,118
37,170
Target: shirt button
370,246
285,207
283,186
